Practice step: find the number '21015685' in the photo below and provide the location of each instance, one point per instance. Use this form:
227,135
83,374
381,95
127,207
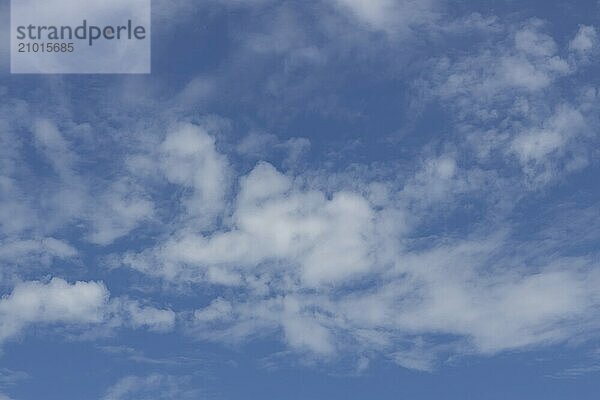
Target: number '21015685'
46,47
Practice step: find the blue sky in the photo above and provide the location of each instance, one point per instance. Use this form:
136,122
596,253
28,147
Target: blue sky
338,199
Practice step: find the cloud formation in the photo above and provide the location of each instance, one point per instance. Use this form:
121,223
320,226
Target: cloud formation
416,260
79,304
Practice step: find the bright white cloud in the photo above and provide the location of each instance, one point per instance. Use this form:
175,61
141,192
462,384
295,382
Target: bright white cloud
78,304
331,270
188,157
54,302
326,240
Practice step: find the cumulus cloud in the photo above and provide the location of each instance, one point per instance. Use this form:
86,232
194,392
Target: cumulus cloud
332,270
78,304
54,302
585,40
327,240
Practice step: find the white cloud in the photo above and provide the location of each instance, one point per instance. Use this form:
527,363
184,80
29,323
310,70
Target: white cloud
531,42
43,250
393,16
119,210
331,267
330,270
509,310
151,318
58,302
9,377
15,216
258,145
305,331
188,157
155,386
217,310
436,294
537,147
529,64
67,199
67,194
328,240
54,302
585,40
415,359
508,104
53,145
196,91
